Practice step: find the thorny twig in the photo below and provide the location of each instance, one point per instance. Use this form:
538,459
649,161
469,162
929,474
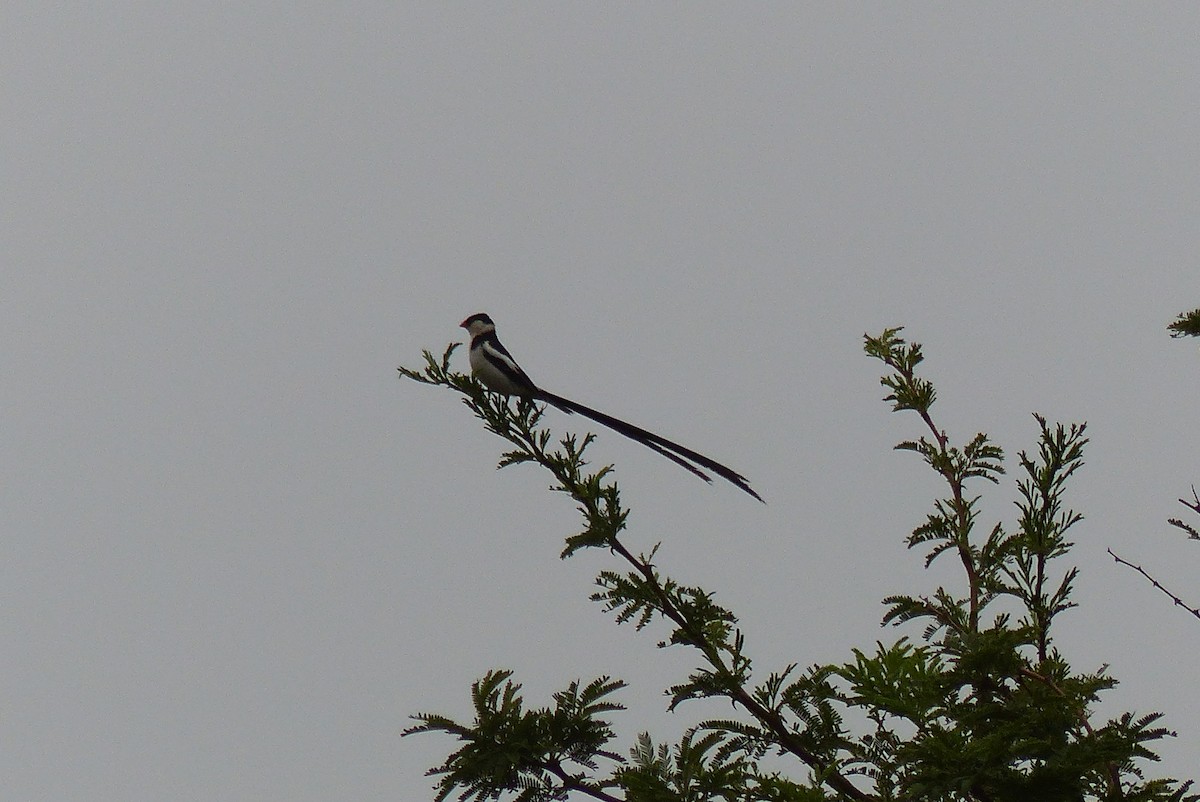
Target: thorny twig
1178,601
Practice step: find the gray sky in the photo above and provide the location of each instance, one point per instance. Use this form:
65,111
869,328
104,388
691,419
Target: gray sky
238,552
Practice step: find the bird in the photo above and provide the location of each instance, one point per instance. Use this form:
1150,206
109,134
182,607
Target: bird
495,368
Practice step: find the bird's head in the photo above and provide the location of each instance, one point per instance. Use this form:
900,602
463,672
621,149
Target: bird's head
478,324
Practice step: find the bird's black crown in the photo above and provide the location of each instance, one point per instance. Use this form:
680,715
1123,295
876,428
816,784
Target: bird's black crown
477,318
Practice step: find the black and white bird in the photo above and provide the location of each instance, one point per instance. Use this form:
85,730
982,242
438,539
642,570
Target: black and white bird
495,367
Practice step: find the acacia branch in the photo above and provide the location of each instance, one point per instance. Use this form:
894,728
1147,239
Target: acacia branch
961,515
769,718
572,783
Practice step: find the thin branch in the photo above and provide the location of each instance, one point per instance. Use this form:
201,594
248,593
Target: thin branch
571,783
1178,601
961,511
1194,505
942,438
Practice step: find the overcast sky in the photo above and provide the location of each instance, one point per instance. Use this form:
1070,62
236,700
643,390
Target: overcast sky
238,553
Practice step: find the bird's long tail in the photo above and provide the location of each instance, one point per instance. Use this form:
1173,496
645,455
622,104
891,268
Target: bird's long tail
672,451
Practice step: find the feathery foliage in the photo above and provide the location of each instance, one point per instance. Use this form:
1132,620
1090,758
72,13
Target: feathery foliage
1186,325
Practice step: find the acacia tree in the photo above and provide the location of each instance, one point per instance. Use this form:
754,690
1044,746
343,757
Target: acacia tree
976,704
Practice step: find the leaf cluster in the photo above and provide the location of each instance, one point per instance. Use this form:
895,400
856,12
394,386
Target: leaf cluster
537,754
1186,325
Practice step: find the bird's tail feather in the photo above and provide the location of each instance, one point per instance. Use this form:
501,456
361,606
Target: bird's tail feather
672,451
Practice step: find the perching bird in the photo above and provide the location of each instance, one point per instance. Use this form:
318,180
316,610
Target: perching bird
493,365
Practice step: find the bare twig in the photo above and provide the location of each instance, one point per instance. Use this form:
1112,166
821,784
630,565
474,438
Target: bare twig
1193,505
1178,601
